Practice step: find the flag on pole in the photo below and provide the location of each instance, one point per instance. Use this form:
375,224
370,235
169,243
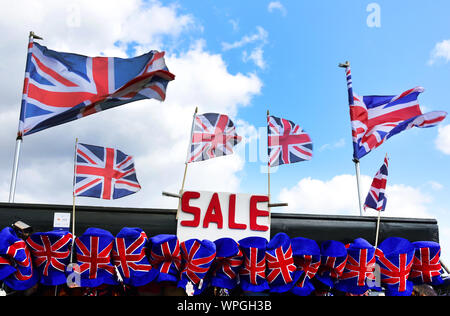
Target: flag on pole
375,119
287,142
213,135
104,173
62,87
376,199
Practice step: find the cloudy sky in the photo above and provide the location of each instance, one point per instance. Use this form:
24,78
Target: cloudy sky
242,58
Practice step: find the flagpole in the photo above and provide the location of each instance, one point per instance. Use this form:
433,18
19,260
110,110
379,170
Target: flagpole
73,196
268,176
378,229
12,188
346,65
187,163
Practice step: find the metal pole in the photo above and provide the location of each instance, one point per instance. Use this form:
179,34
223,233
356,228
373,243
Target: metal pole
358,184
12,188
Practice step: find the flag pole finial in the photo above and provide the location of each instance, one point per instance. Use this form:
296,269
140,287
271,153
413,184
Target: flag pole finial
34,36
344,65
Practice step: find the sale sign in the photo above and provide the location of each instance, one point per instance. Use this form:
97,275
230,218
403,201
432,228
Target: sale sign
214,215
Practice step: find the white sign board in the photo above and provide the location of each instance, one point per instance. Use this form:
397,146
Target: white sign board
61,220
214,215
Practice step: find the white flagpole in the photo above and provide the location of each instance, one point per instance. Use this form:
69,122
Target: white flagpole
346,65
268,176
12,188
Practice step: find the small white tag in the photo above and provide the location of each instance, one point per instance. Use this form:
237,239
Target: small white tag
2,292
61,220
189,289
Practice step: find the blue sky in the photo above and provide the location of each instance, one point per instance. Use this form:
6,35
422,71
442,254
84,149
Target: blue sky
243,58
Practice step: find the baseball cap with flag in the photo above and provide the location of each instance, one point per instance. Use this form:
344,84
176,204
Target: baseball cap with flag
395,256
226,266
51,255
307,261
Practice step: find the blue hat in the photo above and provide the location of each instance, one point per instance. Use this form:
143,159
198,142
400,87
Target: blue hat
93,250
426,265
307,260
253,272
165,257
333,257
51,255
280,264
395,256
129,256
198,257
228,262
358,269
16,250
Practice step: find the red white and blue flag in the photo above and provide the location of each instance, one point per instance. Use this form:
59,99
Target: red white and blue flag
213,135
62,87
104,173
287,142
377,118
376,199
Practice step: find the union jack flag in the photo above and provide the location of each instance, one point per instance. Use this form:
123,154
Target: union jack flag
309,265
165,256
94,257
333,266
62,87
287,142
395,269
254,268
197,259
213,135
51,252
104,173
427,265
280,265
129,256
376,199
375,119
359,267
228,265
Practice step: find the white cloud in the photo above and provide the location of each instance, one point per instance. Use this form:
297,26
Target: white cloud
277,5
256,56
440,51
443,139
260,36
339,144
155,133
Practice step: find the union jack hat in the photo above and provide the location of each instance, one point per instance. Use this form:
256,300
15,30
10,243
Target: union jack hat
395,256
93,252
253,272
129,256
307,261
165,257
333,257
280,264
16,251
51,255
427,265
198,256
226,265
359,268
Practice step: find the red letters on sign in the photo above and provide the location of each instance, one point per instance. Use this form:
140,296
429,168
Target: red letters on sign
255,212
232,214
185,207
215,217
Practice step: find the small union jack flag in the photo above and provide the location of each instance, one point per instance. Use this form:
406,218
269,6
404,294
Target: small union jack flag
129,256
287,142
426,265
213,135
104,173
376,199
375,119
62,87
51,254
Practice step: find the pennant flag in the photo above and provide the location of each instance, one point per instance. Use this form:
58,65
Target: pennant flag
62,87
376,199
104,173
213,135
287,142
375,119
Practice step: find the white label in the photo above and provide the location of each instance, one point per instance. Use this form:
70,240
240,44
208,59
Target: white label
61,220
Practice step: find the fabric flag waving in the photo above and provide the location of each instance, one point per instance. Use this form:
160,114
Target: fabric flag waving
287,142
213,135
62,87
375,119
104,173
376,199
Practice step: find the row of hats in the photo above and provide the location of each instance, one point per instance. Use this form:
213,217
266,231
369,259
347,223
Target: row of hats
280,265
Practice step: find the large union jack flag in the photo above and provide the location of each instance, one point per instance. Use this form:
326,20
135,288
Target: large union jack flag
104,173
375,119
213,135
62,87
287,142
376,199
